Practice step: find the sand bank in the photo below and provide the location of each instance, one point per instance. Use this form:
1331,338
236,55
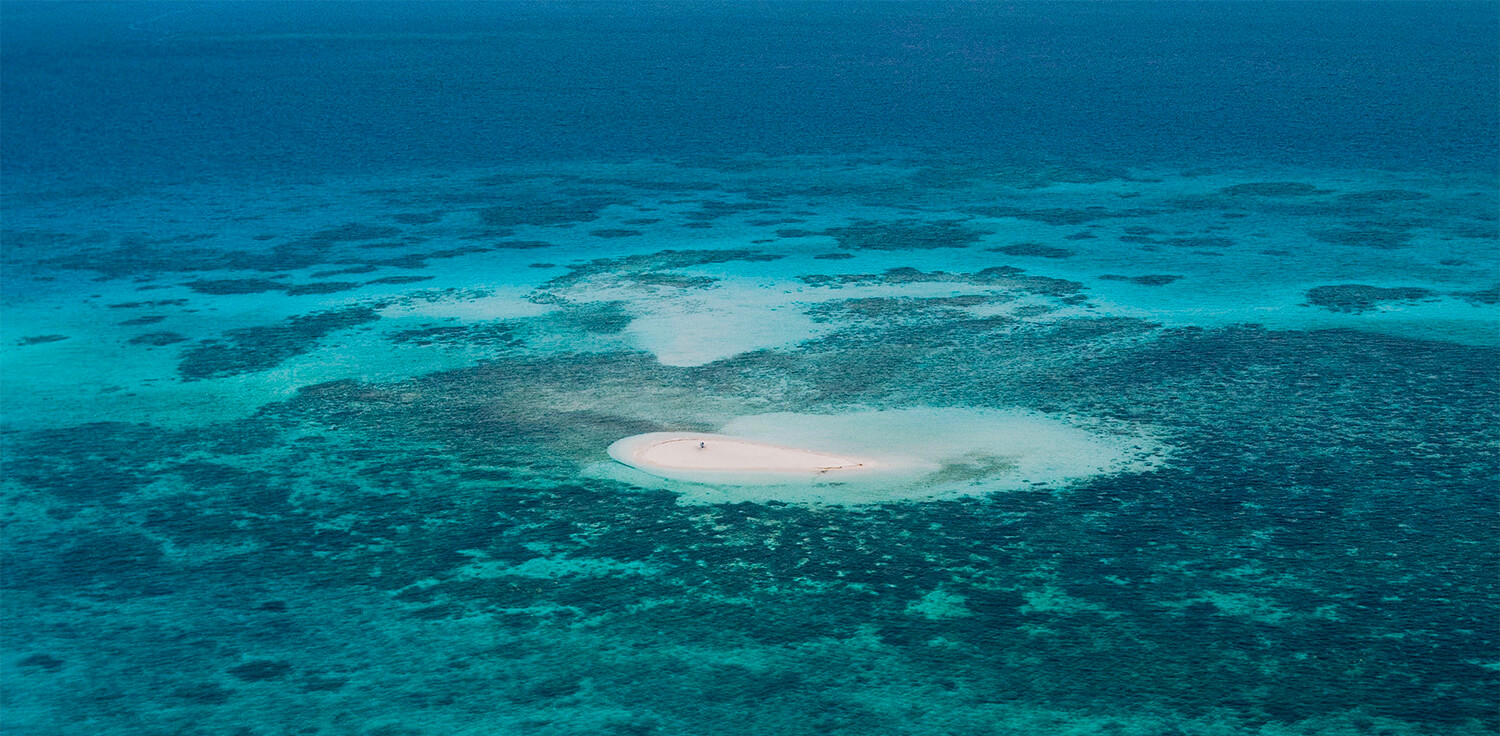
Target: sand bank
723,458
881,456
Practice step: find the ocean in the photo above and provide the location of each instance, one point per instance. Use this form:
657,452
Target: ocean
317,321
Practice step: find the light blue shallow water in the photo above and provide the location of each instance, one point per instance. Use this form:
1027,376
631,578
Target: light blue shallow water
318,320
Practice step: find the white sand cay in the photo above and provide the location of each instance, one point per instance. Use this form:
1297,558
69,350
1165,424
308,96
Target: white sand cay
722,458
880,456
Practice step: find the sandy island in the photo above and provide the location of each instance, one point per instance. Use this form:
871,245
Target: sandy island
872,456
704,455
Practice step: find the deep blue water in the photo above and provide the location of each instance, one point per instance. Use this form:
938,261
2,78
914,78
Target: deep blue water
316,321
185,91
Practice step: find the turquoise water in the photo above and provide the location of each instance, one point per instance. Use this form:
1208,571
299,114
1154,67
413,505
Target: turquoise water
318,320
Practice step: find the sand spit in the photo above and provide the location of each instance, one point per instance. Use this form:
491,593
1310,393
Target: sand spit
881,456
705,455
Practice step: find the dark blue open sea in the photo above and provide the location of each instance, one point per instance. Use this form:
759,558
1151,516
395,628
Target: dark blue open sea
319,318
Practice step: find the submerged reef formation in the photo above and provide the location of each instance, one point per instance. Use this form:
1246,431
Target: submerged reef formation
1361,298
1154,484
459,502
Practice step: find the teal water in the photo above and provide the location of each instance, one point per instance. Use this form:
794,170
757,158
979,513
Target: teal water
318,320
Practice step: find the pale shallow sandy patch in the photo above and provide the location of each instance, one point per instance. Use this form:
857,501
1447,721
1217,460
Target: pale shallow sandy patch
691,332
697,326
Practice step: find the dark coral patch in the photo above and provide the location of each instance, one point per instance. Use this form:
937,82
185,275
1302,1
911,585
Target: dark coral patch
1062,215
553,212
250,489
399,280
457,252
261,669
39,339
1201,241
904,235
713,209
599,318
365,268
1481,297
639,265
203,694
678,281
354,232
490,334
137,255
1033,250
1481,230
325,287
108,557
999,277
898,309
252,349
157,339
1274,189
522,244
42,662
157,303
90,464
1383,196
1356,298
302,252
234,286
1365,237
417,218
1148,280
260,286
149,319
14,240
323,684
